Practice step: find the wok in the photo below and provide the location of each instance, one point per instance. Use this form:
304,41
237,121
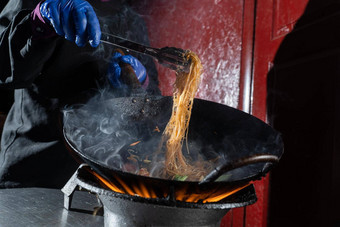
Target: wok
244,147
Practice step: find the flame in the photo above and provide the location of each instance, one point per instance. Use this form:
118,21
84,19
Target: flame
217,197
209,195
134,189
184,194
146,192
107,183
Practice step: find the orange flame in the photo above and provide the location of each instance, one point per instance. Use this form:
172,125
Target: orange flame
207,196
217,197
183,194
107,183
133,190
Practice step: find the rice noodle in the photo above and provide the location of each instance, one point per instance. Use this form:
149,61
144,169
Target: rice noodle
176,131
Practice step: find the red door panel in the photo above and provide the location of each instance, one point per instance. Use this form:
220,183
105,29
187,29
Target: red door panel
274,19
302,70
285,15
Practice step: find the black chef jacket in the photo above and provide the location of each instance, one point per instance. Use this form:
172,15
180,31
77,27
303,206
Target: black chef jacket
45,74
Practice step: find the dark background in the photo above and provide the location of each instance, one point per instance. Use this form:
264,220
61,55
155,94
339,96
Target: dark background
303,104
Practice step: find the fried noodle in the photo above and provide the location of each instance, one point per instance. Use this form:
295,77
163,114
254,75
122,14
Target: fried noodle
176,131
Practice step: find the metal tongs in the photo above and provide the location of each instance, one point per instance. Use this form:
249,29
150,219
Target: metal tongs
170,57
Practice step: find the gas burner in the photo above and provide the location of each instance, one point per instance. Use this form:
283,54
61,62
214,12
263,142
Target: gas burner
133,210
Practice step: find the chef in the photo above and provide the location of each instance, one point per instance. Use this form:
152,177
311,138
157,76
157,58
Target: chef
50,55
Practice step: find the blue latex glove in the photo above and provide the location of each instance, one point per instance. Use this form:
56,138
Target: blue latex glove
114,71
73,19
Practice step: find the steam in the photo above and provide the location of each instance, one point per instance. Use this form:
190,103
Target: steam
105,130
124,133
97,131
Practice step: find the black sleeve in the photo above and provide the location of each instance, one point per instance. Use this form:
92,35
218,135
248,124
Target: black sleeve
22,58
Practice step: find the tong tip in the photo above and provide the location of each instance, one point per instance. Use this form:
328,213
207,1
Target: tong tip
175,59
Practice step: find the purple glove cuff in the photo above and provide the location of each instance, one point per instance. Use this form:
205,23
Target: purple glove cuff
145,84
40,29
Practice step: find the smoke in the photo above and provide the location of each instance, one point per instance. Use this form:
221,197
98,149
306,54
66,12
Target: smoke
125,133
119,132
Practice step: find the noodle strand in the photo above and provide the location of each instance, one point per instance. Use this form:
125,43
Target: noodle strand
176,131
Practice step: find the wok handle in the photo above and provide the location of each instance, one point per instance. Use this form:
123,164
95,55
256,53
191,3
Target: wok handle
220,170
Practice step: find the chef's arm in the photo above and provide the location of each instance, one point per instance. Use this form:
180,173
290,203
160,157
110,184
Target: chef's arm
22,52
31,37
